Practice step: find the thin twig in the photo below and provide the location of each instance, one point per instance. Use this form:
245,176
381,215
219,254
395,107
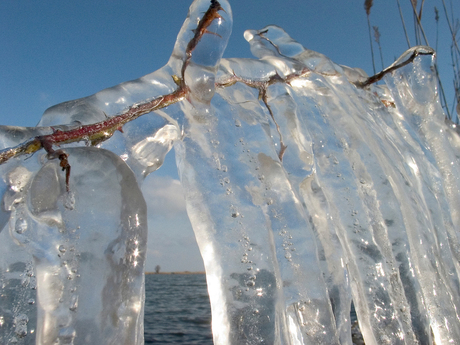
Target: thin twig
262,87
94,133
370,40
367,7
377,39
419,22
403,23
450,27
421,10
436,18
210,15
283,147
375,78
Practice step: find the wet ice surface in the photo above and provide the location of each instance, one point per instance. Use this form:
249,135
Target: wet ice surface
362,206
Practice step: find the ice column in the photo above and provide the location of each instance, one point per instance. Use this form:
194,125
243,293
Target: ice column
238,252
87,248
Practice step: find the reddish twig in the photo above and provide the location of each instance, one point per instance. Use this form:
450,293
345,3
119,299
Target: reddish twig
101,131
375,78
202,28
262,86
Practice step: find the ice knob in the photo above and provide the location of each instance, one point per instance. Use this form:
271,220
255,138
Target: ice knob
201,44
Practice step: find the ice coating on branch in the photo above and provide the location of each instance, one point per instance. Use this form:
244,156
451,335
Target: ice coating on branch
272,43
201,44
87,258
305,191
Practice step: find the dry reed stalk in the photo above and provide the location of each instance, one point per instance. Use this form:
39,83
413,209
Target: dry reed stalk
417,22
377,39
455,52
367,7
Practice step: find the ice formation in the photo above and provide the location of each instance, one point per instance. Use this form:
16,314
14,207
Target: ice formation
306,191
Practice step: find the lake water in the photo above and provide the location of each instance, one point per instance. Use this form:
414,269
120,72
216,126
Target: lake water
177,309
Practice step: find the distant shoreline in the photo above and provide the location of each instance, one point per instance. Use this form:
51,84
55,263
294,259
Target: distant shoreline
181,272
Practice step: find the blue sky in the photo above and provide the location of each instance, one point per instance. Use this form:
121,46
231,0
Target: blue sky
53,51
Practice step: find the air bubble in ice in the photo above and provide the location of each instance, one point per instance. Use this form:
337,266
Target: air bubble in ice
66,335
20,226
20,325
74,303
69,200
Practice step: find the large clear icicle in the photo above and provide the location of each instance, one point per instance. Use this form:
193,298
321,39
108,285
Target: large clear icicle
88,249
436,250
307,306
238,252
273,45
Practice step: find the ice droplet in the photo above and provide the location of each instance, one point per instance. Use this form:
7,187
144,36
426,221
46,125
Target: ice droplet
74,303
66,335
69,200
20,325
20,226
62,248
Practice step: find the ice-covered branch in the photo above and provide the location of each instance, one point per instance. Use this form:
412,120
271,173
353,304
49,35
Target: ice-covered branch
407,58
96,133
